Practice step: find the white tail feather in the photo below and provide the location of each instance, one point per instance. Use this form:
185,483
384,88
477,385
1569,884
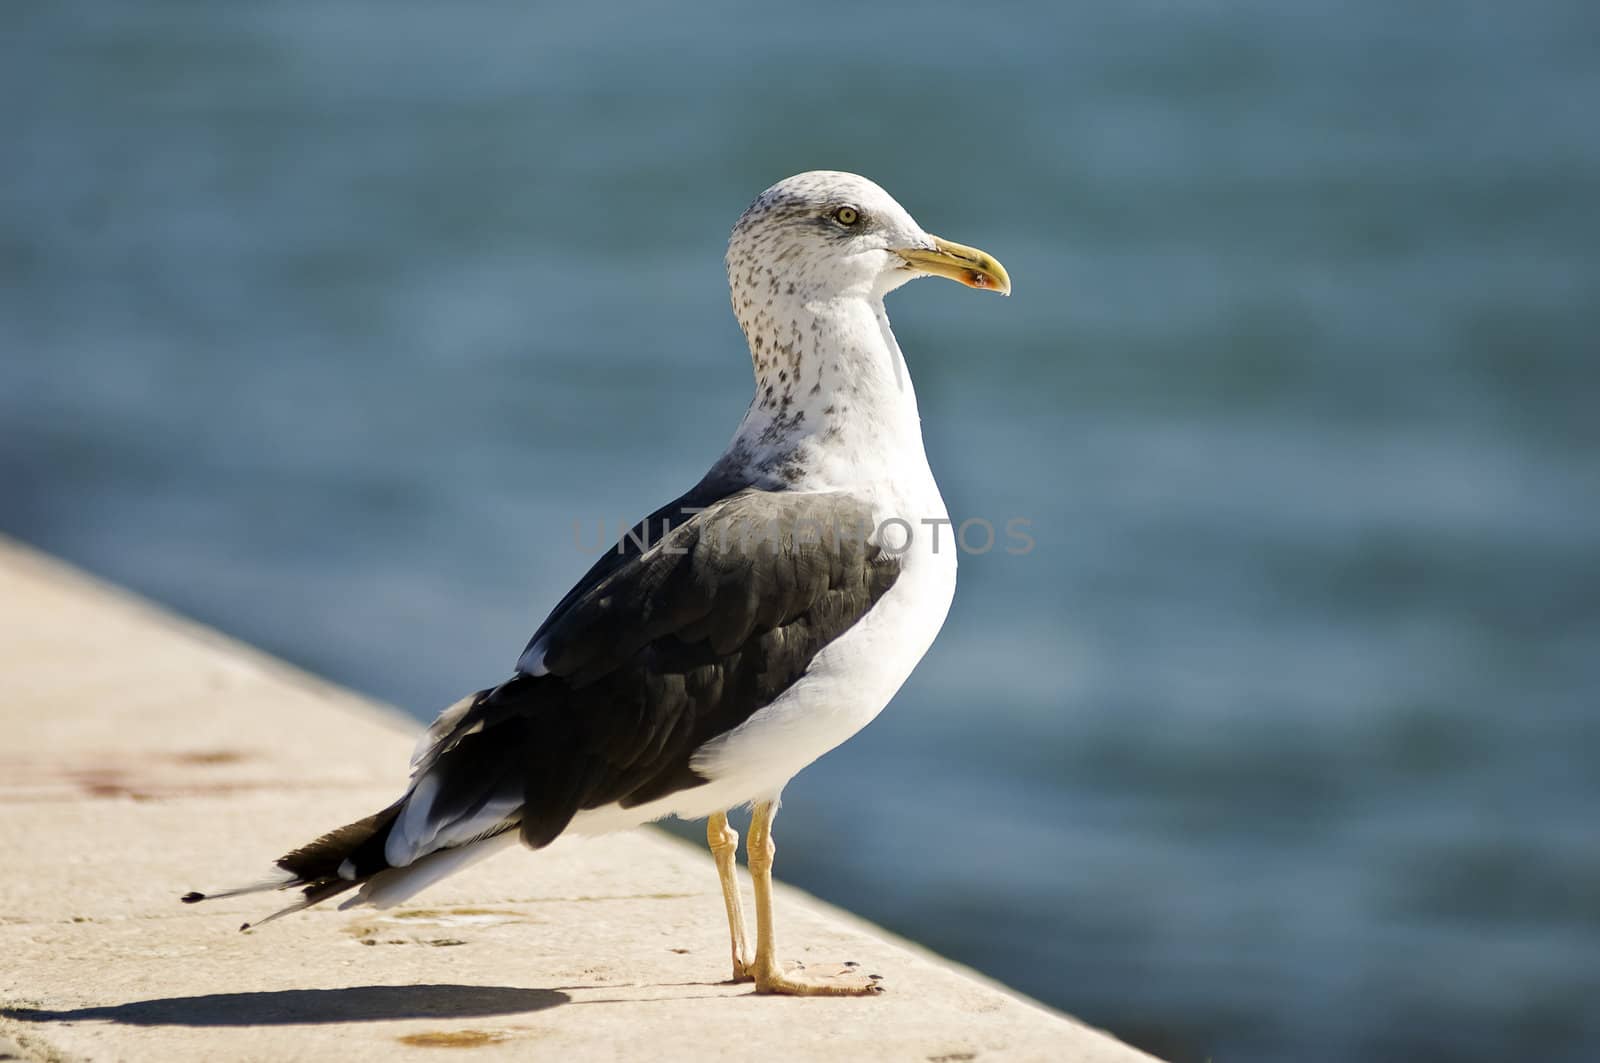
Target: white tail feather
389,888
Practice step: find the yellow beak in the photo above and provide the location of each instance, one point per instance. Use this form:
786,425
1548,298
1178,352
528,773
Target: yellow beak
974,268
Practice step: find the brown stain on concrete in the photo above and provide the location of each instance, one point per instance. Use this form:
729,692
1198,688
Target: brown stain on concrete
107,783
596,898
114,783
209,756
149,776
415,921
452,1038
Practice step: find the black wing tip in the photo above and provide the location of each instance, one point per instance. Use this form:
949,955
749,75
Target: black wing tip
192,896
243,927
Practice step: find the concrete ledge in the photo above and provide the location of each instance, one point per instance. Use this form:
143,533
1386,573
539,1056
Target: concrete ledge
143,756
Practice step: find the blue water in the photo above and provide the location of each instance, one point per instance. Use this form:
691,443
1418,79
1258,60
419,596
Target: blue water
324,321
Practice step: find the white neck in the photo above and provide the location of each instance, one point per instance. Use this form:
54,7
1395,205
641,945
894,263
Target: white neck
834,406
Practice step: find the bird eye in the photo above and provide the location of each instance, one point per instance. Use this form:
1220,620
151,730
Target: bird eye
847,215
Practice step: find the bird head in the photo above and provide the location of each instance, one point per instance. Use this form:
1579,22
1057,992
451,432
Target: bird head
825,234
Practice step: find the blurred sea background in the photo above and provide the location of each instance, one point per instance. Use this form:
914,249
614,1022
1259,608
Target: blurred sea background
324,322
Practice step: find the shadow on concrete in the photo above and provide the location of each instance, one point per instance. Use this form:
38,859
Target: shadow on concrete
289,1007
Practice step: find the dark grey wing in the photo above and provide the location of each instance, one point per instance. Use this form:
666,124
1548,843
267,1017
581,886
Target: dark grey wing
634,543
657,651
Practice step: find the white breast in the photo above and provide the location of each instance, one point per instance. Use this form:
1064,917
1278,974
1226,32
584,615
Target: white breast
847,685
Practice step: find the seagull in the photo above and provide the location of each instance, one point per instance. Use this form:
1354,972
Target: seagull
737,633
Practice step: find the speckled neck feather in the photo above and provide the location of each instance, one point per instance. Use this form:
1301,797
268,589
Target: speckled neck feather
833,404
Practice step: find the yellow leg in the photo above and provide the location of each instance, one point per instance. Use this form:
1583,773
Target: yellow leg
724,842
841,981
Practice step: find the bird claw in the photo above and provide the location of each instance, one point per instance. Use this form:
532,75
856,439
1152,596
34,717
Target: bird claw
827,980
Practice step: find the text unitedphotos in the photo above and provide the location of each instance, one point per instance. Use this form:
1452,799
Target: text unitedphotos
893,535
